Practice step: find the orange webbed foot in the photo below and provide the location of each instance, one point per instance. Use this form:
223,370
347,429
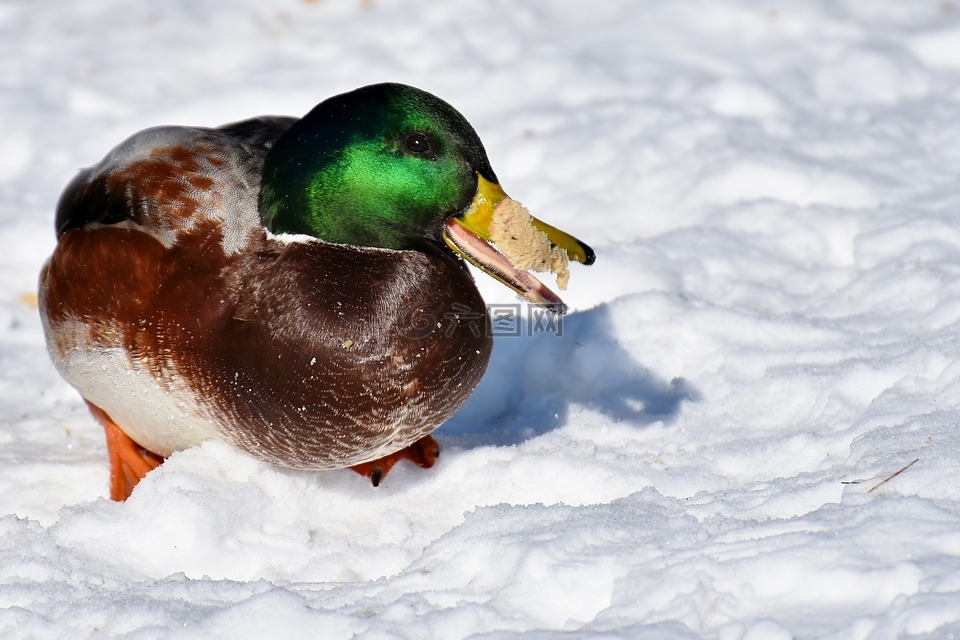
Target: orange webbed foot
129,462
423,453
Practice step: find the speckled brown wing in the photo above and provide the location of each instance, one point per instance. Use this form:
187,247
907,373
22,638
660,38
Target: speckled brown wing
168,179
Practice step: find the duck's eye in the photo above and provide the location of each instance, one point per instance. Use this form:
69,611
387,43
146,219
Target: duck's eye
417,143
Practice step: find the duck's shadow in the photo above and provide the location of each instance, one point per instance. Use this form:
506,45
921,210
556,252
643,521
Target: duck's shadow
534,378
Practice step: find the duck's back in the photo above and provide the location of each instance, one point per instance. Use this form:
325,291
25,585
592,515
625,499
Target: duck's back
167,180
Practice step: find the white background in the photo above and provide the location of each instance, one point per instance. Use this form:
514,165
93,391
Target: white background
771,329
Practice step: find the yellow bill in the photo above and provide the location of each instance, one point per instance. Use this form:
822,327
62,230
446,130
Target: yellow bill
499,237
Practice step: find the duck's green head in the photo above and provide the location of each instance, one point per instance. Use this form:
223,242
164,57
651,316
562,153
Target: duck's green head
386,165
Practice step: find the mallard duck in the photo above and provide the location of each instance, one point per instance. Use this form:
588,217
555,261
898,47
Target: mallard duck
293,287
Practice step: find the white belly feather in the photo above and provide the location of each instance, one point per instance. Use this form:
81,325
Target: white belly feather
160,415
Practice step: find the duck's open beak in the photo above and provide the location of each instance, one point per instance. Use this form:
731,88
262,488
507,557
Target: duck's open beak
468,235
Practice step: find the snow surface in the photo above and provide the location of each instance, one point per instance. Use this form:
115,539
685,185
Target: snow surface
770,331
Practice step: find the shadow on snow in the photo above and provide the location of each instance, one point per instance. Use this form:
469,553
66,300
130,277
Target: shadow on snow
533,379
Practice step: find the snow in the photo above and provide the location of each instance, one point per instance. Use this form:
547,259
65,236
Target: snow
770,331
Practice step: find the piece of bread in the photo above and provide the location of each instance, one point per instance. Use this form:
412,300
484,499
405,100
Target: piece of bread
529,248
